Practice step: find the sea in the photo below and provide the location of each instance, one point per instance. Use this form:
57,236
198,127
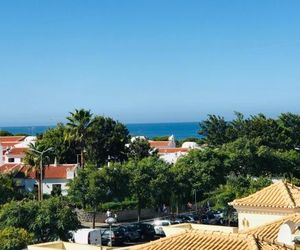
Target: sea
180,130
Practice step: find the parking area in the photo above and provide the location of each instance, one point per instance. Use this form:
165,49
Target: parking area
132,233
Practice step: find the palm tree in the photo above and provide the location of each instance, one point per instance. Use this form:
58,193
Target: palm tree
78,129
35,159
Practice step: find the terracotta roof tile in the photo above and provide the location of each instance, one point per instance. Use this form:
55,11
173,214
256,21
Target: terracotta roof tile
277,195
10,167
50,172
159,144
172,150
202,240
270,231
57,172
17,151
11,138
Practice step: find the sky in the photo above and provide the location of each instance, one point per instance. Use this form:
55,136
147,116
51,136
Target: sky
142,61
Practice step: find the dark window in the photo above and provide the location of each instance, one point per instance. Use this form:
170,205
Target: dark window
11,159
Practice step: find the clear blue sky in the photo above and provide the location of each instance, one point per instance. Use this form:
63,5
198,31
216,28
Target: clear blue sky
147,60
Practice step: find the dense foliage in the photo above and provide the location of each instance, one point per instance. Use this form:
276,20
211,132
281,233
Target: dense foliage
48,220
12,238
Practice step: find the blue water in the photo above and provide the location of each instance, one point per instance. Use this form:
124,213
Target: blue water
179,130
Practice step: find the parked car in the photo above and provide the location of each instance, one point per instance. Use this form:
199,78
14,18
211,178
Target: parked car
131,232
117,237
186,218
146,230
158,224
210,218
87,236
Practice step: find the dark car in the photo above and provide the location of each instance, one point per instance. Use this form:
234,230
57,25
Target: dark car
116,235
210,218
186,218
131,232
146,230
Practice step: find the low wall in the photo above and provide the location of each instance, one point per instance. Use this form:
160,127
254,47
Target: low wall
125,215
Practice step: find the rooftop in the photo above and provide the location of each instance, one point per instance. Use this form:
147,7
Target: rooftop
59,171
270,231
277,195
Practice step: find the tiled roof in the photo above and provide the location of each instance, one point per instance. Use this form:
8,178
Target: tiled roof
266,245
11,138
6,145
10,167
277,195
212,240
202,240
50,172
17,151
172,150
159,144
270,231
57,172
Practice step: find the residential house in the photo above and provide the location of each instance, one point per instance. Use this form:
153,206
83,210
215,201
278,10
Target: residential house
271,203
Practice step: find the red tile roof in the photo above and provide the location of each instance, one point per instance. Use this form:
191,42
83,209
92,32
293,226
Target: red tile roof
172,150
6,145
10,167
17,151
50,172
11,138
159,144
58,172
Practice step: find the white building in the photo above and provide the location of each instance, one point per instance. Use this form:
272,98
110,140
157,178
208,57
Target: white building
54,176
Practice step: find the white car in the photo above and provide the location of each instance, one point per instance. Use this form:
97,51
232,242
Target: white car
158,224
87,236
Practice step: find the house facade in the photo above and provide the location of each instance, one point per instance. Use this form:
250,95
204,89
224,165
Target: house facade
269,204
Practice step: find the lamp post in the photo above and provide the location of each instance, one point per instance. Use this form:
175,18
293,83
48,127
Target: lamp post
41,153
110,221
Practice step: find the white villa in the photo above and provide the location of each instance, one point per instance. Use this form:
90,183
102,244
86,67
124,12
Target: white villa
168,151
12,152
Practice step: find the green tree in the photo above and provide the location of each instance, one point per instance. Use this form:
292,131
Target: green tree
291,124
161,138
141,175
147,185
14,238
78,126
64,151
89,189
8,188
19,214
234,188
214,129
48,220
107,140
54,220
117,179
198,171
139,149
5,133
162,183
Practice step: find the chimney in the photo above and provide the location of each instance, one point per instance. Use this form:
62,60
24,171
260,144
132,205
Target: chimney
55,162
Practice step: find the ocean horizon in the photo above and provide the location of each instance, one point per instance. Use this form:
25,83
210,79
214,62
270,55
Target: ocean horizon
180,130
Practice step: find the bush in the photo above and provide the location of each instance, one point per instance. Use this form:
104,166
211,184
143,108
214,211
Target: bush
127,204
14,238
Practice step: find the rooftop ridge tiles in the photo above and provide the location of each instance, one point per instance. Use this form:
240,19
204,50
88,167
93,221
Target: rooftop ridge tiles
287,189
283,190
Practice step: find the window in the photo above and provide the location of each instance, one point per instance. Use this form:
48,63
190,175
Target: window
11,159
